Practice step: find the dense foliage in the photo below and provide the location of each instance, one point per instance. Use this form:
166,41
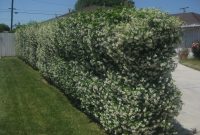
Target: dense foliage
116,63
4,27
196,49
80,4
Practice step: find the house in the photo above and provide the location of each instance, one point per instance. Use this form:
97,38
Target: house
190,28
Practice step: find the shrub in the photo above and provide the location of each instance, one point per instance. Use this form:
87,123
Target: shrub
81,4
196,49
183,53
4,27
116,63
27,39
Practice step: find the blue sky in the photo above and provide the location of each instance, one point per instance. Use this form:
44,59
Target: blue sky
40,10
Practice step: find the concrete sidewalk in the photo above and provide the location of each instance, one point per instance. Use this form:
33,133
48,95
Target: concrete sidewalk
188,81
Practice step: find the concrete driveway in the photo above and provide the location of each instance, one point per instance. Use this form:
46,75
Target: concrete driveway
188,81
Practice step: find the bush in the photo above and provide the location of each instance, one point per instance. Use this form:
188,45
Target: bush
196,49
27,43
4,27
183,53
81,4
116,63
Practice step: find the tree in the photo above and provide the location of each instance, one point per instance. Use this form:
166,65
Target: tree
108,3
4,27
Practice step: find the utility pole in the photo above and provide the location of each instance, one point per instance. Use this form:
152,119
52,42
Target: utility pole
184,9
69,10
12,9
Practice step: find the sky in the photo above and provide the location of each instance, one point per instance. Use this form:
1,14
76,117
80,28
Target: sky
41,10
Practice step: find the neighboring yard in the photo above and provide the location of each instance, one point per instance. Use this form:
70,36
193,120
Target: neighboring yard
192,63
29,106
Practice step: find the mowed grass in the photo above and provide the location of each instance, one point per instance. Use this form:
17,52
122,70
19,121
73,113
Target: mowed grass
192,63
28,106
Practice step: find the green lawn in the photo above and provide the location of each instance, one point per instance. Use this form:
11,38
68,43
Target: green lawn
28,106
192,63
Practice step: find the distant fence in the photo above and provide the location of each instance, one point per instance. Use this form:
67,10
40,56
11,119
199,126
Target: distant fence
7,44
190,35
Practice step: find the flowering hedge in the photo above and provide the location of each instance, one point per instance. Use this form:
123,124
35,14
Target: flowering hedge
115,63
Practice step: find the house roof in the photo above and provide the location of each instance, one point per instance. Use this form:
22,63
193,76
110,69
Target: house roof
189,19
